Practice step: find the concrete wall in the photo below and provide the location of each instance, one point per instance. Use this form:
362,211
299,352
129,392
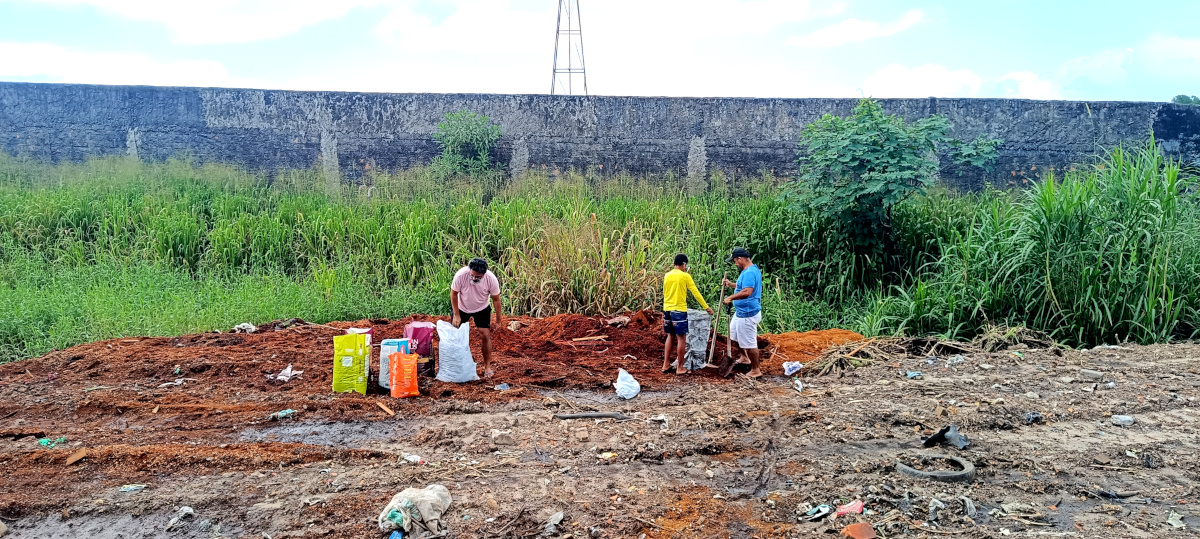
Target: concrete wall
345,132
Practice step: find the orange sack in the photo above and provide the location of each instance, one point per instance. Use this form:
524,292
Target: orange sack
402,368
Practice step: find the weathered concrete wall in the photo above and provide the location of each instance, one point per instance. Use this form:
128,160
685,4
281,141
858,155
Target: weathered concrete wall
344,132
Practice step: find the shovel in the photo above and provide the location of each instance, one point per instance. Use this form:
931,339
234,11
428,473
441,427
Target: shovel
716,324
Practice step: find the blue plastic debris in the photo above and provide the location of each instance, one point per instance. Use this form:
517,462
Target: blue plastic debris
282,414
51,444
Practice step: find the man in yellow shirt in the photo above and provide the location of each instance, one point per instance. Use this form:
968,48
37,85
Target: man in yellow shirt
676,285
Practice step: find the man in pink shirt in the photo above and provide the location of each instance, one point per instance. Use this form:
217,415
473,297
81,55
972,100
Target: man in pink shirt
469,293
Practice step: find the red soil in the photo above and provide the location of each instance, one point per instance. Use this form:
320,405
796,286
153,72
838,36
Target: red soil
105,396
804,347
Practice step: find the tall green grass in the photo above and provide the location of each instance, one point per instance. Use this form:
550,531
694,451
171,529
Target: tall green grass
116,247
1106,253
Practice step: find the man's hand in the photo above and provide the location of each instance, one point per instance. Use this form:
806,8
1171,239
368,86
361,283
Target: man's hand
455,321
728,300
727,283
709,311
499,320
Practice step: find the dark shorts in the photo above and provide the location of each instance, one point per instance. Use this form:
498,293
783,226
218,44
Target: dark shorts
675,322
483,319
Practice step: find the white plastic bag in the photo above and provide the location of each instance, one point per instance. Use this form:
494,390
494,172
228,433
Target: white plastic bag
417,511
455,363
627,387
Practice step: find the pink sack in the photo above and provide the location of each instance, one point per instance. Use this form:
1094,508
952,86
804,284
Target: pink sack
421,333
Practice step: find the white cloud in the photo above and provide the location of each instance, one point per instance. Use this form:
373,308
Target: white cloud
227,21
852,30
1029,86
59,64
929,80
1169,48
1173,56
1104,67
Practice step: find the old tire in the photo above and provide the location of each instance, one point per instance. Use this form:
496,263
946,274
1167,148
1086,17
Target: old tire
965,475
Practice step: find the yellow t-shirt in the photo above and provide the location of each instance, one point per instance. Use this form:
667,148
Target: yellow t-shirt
675,288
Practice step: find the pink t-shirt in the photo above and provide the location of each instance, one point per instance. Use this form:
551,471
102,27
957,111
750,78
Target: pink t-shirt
474,297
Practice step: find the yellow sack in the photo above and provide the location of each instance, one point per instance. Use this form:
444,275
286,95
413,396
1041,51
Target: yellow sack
350,354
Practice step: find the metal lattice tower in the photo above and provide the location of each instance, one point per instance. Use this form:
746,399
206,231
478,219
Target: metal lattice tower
572,35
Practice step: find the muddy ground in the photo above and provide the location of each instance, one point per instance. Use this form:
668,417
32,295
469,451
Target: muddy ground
700,456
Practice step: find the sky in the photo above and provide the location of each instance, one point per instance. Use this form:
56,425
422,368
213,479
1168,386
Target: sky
1059,49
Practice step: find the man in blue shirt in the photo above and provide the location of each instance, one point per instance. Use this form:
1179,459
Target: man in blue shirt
747,305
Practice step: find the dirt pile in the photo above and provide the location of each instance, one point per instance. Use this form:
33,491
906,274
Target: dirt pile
806,346
141,405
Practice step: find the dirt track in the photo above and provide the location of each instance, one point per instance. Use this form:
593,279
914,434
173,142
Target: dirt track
732,458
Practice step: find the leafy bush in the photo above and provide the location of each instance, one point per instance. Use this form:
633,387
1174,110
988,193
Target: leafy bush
854,171
980,152
467,140
1186,100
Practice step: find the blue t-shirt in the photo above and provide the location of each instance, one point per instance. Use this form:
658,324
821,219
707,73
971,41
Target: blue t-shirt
751,277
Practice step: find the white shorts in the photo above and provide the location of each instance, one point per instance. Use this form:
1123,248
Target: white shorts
744,331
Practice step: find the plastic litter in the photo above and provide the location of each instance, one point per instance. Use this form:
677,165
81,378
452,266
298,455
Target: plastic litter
819,512
950,435
414,459
282,414
934,505
133,487
286,375
244,327
1033,417
397,534
607,455
177,382
618,321
455,364
1174,519
969,506
854,507
182,513
627,387
52,443
792,367
417,511
502,387
553,522
1123,420
798,385
955,360
914,375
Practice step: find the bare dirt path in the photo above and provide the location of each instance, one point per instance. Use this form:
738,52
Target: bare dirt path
701,457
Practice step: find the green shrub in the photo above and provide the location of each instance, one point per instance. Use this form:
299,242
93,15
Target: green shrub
467,140
854,172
